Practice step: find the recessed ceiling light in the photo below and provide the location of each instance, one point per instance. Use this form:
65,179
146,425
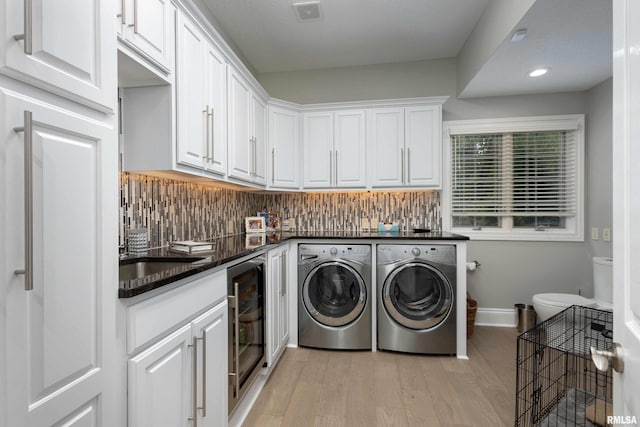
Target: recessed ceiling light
539,72
519,35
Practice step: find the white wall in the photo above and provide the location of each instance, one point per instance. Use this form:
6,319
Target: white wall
599,166
511,272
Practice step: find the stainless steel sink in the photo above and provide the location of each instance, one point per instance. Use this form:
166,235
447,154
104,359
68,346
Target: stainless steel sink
137,270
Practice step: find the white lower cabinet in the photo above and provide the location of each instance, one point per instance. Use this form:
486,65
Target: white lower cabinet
180,380
57,299
277,304
159,379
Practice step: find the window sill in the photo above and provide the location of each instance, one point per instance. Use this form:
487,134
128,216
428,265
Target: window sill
531,236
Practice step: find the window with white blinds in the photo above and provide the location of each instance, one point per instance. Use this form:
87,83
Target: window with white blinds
519,176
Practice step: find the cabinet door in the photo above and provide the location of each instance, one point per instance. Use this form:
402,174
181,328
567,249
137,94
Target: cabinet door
149,25
160,391
259,140
386,140
273,307
350,149
423,140
216,76
212,385
239,111
192,114
59,360
284,297
317,140
283,157
68,48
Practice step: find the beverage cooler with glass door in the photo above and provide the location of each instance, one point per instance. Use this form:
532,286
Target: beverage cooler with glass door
247,353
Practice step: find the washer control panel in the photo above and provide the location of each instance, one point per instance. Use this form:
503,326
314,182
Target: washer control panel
354,252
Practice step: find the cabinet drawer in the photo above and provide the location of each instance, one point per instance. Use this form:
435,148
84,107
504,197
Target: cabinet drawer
157,316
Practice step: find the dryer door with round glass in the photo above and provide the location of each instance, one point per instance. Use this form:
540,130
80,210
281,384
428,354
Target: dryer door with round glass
334,294
417,296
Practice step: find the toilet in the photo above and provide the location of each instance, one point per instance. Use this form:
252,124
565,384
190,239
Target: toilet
546,305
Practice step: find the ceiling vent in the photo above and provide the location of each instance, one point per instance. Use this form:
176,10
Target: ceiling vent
308,11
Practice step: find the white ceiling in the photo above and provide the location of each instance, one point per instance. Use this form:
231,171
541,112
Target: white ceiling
351,32
573,37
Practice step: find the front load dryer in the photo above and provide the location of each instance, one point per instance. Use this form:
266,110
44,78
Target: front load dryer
334,296
416,298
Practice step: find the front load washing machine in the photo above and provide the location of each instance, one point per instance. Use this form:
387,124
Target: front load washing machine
334,296
416,298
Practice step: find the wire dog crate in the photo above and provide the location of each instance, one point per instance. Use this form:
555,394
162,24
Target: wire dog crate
557,383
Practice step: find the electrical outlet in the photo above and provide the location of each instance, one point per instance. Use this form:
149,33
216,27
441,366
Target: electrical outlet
373,223
364,223
230,227
594,233
606,234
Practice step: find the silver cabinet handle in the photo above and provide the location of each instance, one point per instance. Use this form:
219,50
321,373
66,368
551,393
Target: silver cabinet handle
408,165
28,29
235,375
330,167
251,158
194,371
283,269
273,165
206,122
402,163
255,156
336,169
204,373
28,201
135,17
124,13
212,155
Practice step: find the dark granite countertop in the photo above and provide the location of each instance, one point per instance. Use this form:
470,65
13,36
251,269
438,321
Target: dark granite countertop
230,248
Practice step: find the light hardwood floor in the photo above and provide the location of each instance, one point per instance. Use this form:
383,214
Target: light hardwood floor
343,388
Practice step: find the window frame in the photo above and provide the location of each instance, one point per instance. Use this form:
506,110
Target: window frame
574,227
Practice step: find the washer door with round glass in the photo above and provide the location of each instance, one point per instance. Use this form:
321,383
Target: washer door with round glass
417,296
334,294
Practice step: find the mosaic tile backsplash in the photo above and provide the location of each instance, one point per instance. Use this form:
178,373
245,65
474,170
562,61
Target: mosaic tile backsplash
174,210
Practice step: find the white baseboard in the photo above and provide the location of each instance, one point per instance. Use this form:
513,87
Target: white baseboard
499,317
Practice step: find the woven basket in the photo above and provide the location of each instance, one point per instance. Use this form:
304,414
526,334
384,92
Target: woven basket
472,308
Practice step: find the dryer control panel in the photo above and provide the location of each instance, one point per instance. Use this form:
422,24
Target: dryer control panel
348,252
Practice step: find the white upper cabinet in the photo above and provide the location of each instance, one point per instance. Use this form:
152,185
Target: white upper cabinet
283,154
405,146
148,27
317,140
259,122
247,131
423,142
240,141
350,148
386,141
191,109
216,92
334,149
201,89
65,47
